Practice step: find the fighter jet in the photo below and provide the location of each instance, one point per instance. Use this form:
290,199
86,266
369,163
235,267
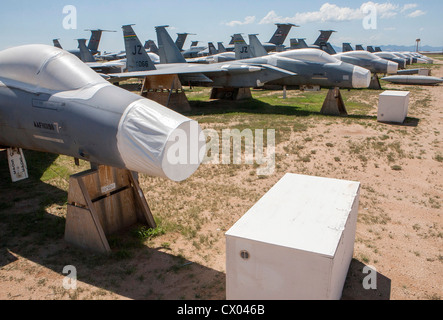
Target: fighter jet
52,102
401,62
392,57
368,61
232,75
313,67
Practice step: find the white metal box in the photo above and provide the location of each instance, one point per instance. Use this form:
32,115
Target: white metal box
393,106
295,243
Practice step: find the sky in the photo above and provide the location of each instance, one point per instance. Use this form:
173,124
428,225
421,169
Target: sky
396,22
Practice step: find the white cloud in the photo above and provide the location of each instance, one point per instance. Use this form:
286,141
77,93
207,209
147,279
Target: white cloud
409,6
333,13
248,20
416,13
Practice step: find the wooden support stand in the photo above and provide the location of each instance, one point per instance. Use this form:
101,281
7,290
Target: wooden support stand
102,202
166,90
333,104
375,83
231,93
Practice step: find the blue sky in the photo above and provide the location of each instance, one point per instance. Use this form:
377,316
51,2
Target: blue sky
398,22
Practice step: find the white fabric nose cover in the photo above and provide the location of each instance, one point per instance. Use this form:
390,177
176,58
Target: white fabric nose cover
155,140
361,78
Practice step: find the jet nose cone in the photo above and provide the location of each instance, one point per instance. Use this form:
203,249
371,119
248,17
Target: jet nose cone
157,141
392,67
361,78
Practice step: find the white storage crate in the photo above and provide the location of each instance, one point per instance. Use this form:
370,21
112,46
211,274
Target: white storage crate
295,243
393,106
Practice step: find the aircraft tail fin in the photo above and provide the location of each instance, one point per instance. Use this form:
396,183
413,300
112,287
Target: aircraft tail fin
212,49
298,44
378,49
150,44
256,47
85,54
137,58
168,51
180,42
242,51
94,41
347,47
370,49
194,43
221,48
238,38
324,37
359,47
328,48
302,44
281,33
57,43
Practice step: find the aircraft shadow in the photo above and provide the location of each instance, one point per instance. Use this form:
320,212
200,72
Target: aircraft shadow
354,289
254,106
31,228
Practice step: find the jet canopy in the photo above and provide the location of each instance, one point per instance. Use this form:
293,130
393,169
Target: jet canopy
309,55
46,67
361,55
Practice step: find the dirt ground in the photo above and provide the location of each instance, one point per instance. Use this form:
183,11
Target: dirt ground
399,230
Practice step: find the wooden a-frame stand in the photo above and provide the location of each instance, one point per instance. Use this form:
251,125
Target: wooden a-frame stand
375,83
231,93
166,90
333,104
101,202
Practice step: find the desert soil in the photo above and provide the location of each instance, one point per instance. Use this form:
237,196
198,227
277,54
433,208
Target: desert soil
399,231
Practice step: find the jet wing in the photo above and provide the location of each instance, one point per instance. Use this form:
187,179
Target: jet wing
207,70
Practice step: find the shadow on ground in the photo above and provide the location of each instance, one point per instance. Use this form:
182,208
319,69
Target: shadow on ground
379,286
255,106
133,270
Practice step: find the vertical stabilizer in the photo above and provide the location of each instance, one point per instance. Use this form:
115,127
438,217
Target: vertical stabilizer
57,43
370,49
347,47
359,47
238,38
168,51
324,37
378,49
181,39
85,54
221,48
302,44
137,58
328,48
94,41
212,49
151,46
281,33
242,51
256,47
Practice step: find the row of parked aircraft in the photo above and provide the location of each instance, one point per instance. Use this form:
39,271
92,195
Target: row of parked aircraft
51,101
316,64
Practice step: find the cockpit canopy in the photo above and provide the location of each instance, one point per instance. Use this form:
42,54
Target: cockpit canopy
46,67
309,55
361,55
